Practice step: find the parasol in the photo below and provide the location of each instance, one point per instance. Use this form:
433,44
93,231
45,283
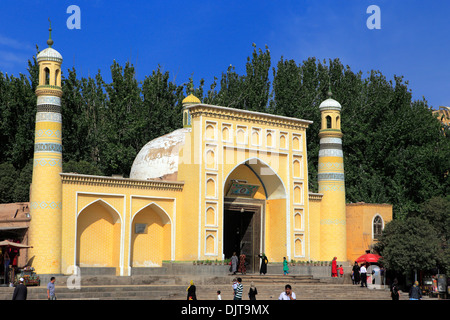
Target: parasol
368,257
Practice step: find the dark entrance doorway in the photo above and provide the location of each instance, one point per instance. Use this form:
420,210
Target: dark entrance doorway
242,232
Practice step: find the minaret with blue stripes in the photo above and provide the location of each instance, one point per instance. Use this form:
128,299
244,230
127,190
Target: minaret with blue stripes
333,229
46,188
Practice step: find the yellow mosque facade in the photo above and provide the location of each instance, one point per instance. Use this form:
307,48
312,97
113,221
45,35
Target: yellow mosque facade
229,180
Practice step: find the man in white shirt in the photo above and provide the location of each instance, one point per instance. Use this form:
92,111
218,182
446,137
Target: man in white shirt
288,294
363,272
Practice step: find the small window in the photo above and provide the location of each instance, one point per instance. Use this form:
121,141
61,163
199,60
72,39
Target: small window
47,76
377,227
328,122
56,77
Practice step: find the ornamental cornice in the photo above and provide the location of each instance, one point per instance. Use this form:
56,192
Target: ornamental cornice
73,178
241,115
315,196
49,90
330,133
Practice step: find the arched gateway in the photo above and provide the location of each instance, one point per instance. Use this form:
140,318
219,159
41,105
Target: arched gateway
248,193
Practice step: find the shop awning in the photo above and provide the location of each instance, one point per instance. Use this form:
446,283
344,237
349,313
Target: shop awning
6,243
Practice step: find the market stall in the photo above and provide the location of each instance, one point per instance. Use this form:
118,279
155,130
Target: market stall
11,272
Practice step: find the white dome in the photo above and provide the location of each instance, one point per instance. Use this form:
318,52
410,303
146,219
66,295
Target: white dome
49,54
158,159
330,104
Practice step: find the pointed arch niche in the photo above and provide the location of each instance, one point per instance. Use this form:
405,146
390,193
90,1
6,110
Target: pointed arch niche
150,237
98,235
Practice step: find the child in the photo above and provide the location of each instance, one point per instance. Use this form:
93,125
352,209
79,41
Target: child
219,297
341,271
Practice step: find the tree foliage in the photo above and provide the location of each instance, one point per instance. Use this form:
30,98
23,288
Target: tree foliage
409,245
395,151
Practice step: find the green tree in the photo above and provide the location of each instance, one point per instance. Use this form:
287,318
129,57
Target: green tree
119,121
81,167
8,177
256,81
409,245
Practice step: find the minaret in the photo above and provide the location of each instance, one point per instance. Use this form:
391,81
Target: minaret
333,232
188,101
46,188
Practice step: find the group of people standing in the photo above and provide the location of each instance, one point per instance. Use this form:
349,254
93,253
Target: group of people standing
240,265
359,274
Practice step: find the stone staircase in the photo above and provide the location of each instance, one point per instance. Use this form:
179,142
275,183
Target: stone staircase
173,287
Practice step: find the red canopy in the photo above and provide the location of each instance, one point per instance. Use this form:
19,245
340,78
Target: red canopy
368,257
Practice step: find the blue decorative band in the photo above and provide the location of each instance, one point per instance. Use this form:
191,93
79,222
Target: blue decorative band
49,100
331,176
48,117
48,133
48,147
332,187
331,140
46,205
330,153
48,162
327,166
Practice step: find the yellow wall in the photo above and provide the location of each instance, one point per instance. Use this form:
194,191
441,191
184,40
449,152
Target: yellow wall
359,226
99,216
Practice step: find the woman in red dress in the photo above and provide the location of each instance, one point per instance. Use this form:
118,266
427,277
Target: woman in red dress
334,268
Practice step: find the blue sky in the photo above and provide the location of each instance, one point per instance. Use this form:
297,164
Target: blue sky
202,38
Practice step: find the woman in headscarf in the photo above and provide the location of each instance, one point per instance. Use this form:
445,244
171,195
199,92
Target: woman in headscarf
191,291
252,292
355,273
234,263
264,262
334,268
285,266
242,267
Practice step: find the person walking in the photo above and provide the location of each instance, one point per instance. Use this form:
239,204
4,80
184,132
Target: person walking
20,291
415,292
287,294
285,266
252,292
395,290
51,289
191,291
234,263
239,290
363,272
264,262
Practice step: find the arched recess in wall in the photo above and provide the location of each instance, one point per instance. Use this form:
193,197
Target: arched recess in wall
98,235
150,237
273,192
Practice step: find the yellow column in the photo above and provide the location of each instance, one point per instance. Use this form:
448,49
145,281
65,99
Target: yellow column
332,184
46,190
